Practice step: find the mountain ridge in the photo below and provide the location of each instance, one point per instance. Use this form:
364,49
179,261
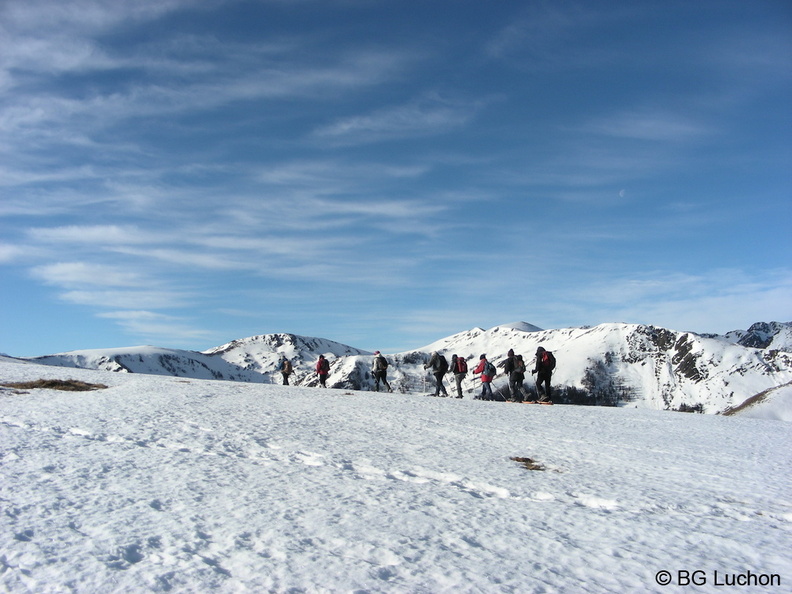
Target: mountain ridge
613,363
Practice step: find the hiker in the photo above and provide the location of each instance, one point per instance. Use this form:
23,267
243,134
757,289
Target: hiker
459,368
516,379
322,369
508,368
286,370
545,363
379,369
487,371
439,365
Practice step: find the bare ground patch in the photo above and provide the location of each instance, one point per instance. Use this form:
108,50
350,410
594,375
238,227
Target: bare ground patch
55,384
529,463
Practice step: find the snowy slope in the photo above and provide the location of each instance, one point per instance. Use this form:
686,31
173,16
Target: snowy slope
638,365
152,360
161,484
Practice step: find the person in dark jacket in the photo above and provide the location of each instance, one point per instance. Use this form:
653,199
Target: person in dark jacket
379,369
286,370
439,366
459,369
545,363
516,379
508,368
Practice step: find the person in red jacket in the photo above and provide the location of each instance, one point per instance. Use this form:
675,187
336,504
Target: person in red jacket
322,369
485,368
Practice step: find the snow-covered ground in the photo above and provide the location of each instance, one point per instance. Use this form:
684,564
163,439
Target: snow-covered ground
182,485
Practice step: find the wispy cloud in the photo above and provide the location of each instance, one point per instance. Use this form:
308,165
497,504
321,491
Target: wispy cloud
101,235
649,125
126,299
107,286
70,274
554,35
188,258
422,117
11,253
157,327
716,300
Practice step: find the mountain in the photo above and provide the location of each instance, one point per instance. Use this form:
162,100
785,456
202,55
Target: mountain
610,364
764,335
644,365
254,359
152,360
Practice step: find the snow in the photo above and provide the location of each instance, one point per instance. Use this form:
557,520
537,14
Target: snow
160,484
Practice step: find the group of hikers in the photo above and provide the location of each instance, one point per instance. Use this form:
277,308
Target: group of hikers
322,369
514,368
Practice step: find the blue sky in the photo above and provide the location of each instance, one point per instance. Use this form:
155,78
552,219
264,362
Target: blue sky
386,173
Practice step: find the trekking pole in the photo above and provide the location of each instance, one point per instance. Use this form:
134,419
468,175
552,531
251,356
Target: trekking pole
473,385
473,379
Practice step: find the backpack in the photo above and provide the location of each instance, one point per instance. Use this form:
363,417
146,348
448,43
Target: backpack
461,366
382,363
324,365
548,361
442,364
489,369
286,367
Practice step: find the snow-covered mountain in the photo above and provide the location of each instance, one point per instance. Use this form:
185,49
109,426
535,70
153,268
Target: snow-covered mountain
764,335
639,365
253,359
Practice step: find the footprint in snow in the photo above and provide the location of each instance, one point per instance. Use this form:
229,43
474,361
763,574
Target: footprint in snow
597,502
310,458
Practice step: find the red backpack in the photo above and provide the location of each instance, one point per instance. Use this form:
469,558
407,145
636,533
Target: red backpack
461,365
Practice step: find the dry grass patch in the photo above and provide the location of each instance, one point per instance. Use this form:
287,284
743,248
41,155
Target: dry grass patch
55,384
529,463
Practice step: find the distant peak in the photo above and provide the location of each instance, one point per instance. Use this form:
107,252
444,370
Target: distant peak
521,326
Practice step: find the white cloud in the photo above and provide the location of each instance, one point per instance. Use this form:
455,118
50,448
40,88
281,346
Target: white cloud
95,234
649,125
156,326
82,16
11,253
331,176
419,118
713,301
71,274
189,258
130,299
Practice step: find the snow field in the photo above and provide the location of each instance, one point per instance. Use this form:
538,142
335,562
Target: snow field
166,484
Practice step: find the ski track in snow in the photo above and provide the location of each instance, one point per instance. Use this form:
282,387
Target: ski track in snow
160,484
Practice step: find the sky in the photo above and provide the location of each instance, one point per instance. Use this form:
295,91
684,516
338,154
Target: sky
184,173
